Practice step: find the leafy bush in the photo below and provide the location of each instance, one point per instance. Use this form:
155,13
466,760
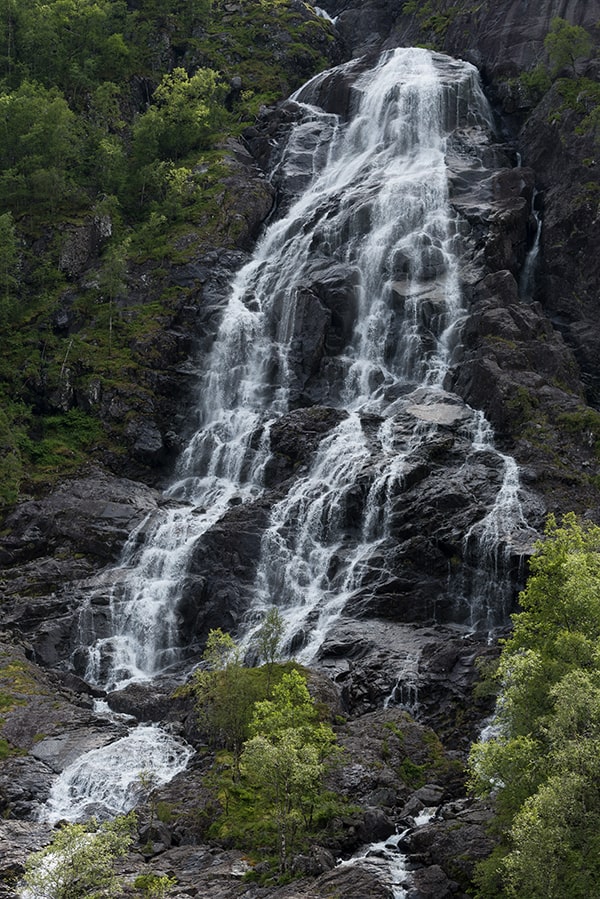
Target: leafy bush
544,766
80,861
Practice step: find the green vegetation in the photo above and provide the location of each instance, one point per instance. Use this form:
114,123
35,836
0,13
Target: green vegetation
16,685
114,117
535,83
80,861
582,96
154,886
225,690
584,424
285,760
433,16
566,44
225,693
544,767
273,746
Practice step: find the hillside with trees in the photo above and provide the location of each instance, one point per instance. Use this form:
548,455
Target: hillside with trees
115,119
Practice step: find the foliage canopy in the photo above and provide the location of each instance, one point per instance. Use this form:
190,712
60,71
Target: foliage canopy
80,861
544,765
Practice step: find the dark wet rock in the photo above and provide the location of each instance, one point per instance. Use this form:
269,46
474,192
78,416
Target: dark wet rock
209,871
376,748
254,195
81,245
93,515
432,883
45,728
374,825
569,269
427,672
217,591
58,752
25,784
349,881
450,848
50,545
148,442
156,835
315,862
295,438
18,839
156,701
502,38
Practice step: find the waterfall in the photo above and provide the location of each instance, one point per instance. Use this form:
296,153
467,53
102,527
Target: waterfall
527,275
113,779
386,859
372,205
370,210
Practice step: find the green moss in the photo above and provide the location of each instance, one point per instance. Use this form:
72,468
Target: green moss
6,749
62,444
522,405
16,676
584,424
534,84
582,97
412,774
434,16
11,463
393,728
501,341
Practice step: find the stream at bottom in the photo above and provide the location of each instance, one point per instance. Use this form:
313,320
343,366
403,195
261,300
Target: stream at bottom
387,859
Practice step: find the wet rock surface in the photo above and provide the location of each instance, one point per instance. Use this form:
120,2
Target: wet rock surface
499,37
44,728
427,672
18,839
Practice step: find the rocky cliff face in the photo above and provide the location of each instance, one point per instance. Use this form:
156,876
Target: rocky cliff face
536,399
528,360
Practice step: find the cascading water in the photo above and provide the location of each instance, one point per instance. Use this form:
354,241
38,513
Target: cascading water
376,204
527,277
375,207
386,858
113,779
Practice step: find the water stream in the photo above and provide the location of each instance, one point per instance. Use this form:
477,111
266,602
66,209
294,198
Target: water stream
527,275
386,858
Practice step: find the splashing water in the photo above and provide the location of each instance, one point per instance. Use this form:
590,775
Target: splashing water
374,206
110,781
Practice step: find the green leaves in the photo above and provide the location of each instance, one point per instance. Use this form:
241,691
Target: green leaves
280,747
565,44
40,142
79,863
544,765
285,759
185,114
